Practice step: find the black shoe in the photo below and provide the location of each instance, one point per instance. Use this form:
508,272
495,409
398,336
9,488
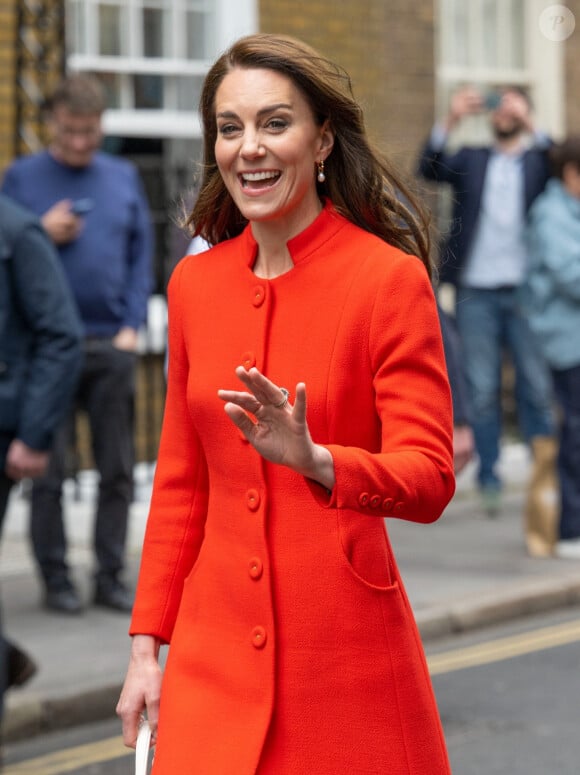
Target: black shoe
21,667
65,600
111,593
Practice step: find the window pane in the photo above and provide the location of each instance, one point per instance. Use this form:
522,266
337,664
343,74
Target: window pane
154,22
110,30
490,28
76,26
188,92
198,35
483,33
148,91
460,53
517,49
112,84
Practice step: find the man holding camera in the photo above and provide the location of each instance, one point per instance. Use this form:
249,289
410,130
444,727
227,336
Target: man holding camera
93,207
485,258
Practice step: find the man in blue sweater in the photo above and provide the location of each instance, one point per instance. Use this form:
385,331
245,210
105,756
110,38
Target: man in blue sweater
93,207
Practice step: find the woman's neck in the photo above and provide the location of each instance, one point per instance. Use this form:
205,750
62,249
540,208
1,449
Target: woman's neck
273,257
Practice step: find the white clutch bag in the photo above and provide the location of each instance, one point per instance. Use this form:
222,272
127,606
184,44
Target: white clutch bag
142,749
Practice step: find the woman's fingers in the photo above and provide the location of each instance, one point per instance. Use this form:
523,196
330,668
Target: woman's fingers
299,408
132,721
265,391
130,726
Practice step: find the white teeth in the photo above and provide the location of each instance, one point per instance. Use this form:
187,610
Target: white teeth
253,176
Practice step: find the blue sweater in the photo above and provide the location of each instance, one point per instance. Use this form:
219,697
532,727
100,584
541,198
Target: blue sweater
109,265
552,289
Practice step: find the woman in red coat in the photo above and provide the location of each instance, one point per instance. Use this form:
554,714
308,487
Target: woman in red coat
266,565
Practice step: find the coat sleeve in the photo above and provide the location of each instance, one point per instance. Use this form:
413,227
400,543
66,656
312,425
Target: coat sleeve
411,476
140,248
439,166
176,523
43,299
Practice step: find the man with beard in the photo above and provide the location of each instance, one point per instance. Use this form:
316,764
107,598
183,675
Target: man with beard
484,257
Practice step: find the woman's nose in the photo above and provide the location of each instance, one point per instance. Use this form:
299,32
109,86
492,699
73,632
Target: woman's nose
251,145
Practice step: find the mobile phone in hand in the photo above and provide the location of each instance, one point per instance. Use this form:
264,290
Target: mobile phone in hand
82,206
492,100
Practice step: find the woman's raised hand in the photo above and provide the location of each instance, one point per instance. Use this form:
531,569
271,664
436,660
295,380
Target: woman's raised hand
277,428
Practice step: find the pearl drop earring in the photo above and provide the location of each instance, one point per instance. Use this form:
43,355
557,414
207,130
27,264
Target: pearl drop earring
321,177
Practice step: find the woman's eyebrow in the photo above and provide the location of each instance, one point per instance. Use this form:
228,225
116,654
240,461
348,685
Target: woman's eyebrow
261,112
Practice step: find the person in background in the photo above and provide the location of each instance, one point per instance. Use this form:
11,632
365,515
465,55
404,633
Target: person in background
463,440
266,564
485,257
93,207
40,359
552,298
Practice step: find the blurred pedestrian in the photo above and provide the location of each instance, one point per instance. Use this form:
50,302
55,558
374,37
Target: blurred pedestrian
93,207
40,358
485,257
463,440
266,562
552,294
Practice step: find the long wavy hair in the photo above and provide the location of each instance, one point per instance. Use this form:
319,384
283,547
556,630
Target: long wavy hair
360,182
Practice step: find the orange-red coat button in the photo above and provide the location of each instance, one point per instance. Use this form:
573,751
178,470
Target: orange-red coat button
248,360
399,506
375,501
388,504
253,500
255,568
363,499
259,637
258,295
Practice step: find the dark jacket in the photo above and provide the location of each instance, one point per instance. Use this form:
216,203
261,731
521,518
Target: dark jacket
465,172
40,333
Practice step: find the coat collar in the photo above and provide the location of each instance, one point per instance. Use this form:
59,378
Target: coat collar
326,224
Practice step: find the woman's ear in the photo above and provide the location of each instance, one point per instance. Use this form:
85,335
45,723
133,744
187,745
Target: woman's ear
326,140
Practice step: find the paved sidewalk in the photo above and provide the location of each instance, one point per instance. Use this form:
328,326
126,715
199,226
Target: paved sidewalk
462,572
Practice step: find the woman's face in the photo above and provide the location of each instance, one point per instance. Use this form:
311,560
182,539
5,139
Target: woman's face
267,146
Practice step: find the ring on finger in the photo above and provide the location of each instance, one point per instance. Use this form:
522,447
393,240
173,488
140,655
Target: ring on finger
281,404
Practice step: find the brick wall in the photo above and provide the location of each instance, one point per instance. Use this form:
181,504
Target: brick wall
387,48
7,72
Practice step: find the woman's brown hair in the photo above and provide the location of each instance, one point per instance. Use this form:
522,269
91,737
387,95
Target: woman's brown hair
362,184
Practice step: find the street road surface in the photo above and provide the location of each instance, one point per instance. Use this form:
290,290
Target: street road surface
509,698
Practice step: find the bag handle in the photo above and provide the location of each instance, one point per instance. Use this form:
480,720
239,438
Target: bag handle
142,749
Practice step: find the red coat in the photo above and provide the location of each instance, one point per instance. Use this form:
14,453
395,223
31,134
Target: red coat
294,650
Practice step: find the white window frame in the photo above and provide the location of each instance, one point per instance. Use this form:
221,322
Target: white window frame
542,73
231,19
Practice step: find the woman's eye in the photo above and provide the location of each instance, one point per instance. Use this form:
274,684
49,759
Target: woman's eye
227,129
277,124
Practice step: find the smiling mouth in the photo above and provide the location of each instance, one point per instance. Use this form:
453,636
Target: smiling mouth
259,179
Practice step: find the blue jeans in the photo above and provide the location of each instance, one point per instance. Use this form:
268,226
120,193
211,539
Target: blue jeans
491,323
567,384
